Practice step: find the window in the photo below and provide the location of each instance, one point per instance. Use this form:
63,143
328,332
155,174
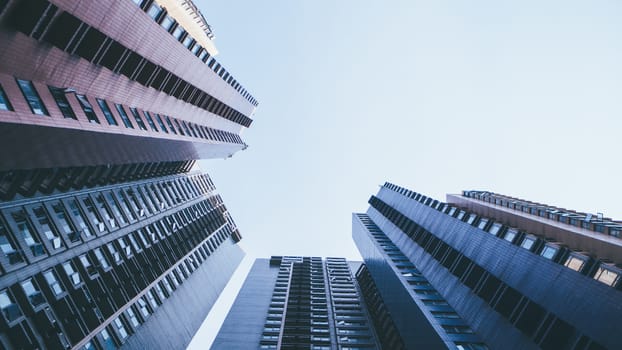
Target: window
528,243
178,32
47,228
138,119
606,276
32,97
104,209
574,263
548,252
150,121
167,22
154,11
159,119
510,234
107,341
101,258
118,325
170,124
10,310
7,246
25,229
113,251
78,218
72,274
124,117
88,109
5,105
35,298
188,41
107,113
62,102
132,317
65,225
457,329
50,278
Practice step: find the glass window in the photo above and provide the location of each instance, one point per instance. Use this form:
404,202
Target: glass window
63,220
104,209
89,345
138,119
132,317
528,243
510,234
170,124
118,325
150,121
46,227
142,306
24,228
125,205
124,117
161,123
32,97
7,246
107,341
606,275
154,11
94,215
179,127
548,252
88,109
196,49
115,207
50,278
78,218
167,22
115,254
574,263
5,105
188,41
86,263
10,310
32,293
72,274
107,113
62,102
178,32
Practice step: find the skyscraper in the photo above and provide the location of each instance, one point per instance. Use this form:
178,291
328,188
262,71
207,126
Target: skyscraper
103,91
517,274
299,303
107,240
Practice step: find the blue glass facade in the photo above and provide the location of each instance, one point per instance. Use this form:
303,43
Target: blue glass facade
504,281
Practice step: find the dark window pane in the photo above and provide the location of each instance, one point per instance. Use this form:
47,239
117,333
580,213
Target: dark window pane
88,109
5,105
161,123
138,119
62,102
124,117
150,121
107,113
32,97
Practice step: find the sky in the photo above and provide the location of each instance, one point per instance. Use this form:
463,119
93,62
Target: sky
516,97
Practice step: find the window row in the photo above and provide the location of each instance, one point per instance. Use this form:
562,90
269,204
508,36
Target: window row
165,123
32,232
582,220
600,270
39,19
106,278
161,16
543,327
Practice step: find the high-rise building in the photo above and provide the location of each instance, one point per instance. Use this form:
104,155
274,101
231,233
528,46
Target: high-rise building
490,270
105,91
107,240
301,303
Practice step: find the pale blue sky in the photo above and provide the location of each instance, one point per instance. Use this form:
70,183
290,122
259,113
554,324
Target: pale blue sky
522,98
